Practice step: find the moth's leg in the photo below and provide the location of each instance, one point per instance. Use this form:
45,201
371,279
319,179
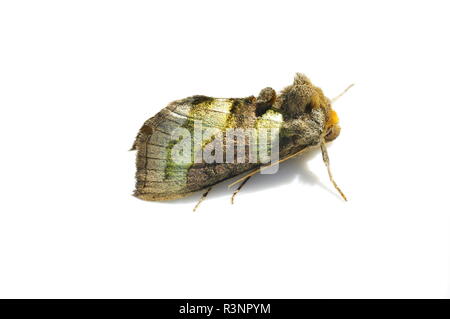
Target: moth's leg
239,188
202,198
326,160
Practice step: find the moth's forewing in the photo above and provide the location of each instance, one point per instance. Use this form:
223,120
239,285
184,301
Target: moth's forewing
159,177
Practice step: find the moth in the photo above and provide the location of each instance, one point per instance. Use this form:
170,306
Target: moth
301,115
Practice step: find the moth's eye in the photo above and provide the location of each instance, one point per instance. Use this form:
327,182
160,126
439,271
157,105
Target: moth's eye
332,132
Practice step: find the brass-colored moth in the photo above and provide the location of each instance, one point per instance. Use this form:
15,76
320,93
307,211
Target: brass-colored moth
199,141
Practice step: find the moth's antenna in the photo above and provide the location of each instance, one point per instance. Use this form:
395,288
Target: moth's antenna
326,160
337,97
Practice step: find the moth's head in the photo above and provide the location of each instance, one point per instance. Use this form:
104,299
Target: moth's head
332,128
302,97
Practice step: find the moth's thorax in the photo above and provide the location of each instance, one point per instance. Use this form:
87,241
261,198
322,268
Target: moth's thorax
303,100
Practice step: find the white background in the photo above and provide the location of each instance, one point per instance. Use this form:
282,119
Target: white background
78,78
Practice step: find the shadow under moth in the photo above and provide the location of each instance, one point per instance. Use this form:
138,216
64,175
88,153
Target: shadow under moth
197,142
